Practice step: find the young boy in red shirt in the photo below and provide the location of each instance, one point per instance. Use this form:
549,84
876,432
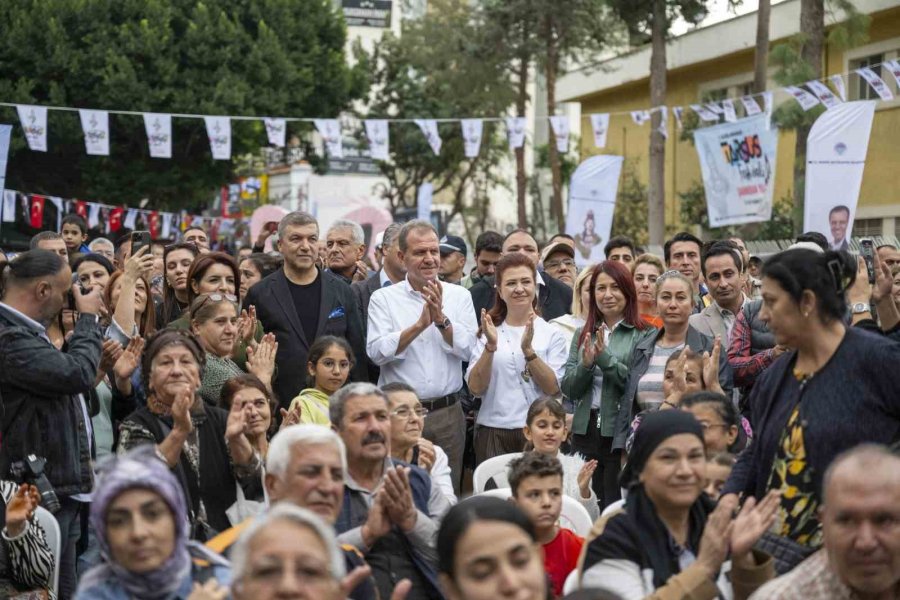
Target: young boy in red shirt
537,487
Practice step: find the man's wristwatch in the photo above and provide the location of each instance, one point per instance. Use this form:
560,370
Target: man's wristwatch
860,308
443,324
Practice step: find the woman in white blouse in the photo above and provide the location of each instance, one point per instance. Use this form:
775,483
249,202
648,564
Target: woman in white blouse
518,358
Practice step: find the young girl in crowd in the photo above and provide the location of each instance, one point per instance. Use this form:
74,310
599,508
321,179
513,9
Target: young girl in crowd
718,468
723,428
545,430
329,366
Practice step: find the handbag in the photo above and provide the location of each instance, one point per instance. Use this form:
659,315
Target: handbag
786,552
244,509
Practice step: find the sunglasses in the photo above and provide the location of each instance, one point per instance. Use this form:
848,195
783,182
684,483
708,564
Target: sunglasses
214,298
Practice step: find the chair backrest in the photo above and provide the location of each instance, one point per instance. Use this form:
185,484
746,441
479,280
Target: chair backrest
573,516
54,540
493,468
613,507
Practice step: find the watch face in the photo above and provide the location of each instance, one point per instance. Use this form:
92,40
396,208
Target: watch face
859,307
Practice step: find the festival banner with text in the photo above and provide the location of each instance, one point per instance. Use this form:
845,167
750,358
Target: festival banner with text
737,161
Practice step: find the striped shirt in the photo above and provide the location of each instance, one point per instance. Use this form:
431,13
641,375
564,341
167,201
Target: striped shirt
650,391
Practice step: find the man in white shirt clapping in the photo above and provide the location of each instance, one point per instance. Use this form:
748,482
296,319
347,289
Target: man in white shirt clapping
420,332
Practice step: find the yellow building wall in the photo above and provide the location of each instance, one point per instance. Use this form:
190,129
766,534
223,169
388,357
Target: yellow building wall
625,138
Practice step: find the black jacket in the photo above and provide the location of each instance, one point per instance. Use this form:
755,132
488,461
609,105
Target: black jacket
363,291
42,412
338,315
554,297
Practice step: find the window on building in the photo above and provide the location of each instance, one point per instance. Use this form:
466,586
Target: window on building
866,227
862,90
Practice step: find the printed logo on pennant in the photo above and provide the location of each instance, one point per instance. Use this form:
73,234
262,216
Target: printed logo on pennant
430,131
159,134
704,113
600,126
640,117
876,82
559,124
728,108
893,67
276,131
515,132
803,98
218,129
95,125
751,106
34,124
330,130
379,137
472,130
823,93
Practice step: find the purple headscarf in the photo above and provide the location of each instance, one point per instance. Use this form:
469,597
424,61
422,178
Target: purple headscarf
142,468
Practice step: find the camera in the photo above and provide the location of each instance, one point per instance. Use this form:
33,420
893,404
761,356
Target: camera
31,471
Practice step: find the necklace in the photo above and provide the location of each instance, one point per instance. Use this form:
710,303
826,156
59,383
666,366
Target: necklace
802,376
525,373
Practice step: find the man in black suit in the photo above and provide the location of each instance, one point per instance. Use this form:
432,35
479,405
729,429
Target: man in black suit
300,302
392,271
554,297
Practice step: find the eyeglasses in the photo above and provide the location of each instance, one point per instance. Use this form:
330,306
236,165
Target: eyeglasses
404,412
555,264
707,426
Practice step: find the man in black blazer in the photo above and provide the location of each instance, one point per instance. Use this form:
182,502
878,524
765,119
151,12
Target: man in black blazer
392,271
300,302
554,297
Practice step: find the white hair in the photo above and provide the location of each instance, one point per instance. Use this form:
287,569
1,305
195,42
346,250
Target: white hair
285,511
356,231
339,399
278,458
100,242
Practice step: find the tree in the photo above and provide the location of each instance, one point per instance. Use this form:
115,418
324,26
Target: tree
629,218
233,57
444,66
761,56
651,19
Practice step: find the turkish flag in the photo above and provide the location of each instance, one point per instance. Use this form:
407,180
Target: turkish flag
153,224
115,218
81,209
36,211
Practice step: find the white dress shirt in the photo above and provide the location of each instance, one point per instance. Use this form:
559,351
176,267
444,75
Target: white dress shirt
505,403
428,364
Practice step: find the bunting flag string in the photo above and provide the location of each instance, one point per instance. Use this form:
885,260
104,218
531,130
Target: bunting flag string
158,126
30,209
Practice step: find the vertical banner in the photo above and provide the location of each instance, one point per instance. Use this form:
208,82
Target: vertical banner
751,106
730,113
803,98
600,127
515,132
378,134
276,131
159,134
592,201
838,82
737,161
34,124
218,129
471,131
330,130
835,159
822,92
423,201
429,129
559,125
876,82
95,124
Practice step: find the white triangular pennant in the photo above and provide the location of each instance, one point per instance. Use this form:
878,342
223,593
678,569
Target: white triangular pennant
822,92
600,126
330,130
165,219
677,111
93,214
803,98
58,203
159,134
9,206
276,131
704,113
559,124
218,129
95,124
515,132
876,82
640,117
838,82
378,134
751,106
131,216
664,122
471,131
769,106
714,107
728,108
893,67
429,129
34,124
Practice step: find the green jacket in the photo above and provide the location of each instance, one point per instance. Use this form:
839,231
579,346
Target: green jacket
240,348
615,363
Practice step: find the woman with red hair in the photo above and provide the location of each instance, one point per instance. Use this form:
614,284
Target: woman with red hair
597,370
518,358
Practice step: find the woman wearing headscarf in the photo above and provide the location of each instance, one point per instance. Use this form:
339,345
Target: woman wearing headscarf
140,516
669,542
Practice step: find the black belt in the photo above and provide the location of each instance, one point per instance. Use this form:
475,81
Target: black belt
433,404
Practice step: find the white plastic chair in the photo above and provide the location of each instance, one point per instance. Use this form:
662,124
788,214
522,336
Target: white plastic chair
613,507
572,584
50,525
493,468
573,516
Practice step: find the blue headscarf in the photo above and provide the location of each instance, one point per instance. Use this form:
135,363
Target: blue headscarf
142,468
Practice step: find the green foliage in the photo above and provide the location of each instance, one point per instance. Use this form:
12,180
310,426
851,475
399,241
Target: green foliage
692,209
630,217
237,57
444,66
638,15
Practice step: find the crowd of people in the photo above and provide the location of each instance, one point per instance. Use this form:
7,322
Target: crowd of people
309,423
